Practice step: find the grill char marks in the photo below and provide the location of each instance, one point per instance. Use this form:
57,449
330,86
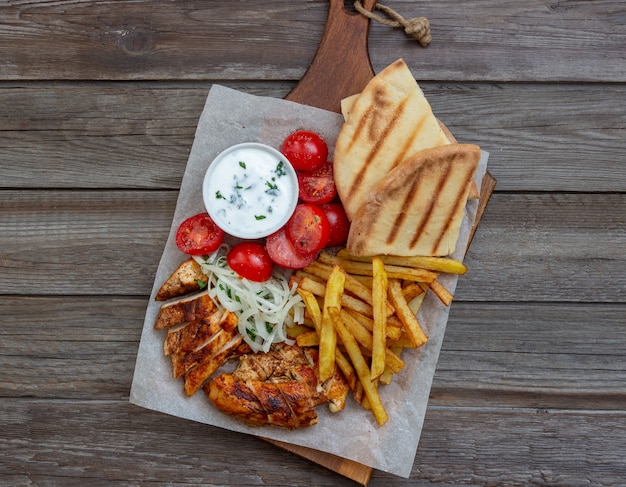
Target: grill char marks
377,124
411,194
428,213
457,207
417,209
278,388
387,122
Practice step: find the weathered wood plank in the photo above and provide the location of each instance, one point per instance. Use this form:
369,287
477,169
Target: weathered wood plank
139,40
74,443
529,247
117,235
541,138
505,355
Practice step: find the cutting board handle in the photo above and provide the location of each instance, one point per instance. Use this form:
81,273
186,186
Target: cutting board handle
341,66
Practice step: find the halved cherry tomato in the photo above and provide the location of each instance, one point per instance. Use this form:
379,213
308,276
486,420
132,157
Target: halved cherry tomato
283,253
317,186
199,235
339,224
306,150
250,260
308,228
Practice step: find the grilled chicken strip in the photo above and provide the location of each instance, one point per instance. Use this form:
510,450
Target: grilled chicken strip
187,278
278,388
184,310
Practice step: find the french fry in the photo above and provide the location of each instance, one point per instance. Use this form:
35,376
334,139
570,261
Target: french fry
352,285
363,336
403,342
365,269
409,320
301,274
364,312
296,330
441,292
312,307
308,339
311,338
328,335
412,290
379,337
360,333
346,367
358,393
347,301
387,376
438,264
416,303
393,329
360,365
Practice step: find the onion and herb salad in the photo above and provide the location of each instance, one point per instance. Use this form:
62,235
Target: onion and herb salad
264,309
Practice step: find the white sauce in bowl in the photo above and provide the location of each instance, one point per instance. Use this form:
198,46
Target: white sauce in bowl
250,190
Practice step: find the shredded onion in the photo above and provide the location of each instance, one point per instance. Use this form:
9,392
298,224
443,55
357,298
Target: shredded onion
264,309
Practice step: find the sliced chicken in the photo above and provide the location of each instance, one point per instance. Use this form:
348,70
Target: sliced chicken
278,388
187,278
184,310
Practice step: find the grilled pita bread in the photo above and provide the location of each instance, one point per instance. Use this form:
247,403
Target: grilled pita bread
418,208
387,122
347,105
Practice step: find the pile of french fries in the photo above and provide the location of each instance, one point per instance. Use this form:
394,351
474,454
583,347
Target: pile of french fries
362,312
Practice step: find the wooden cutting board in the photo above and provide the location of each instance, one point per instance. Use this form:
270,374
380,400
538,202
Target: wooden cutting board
342,67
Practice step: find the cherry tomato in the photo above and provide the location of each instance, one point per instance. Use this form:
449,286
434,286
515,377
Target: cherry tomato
308,228
339,224
199,235
306,150
317,186
250,260
283,253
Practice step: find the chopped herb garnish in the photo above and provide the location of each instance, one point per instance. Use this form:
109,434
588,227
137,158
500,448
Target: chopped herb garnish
271,186
219,195
242,164
280,169
260,217
201,284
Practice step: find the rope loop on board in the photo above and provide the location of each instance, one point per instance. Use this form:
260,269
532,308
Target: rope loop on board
418,27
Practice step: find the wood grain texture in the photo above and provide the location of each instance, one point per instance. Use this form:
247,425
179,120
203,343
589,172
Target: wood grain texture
115,443
528,247
341,66
538,40
494,355
98,107
557,138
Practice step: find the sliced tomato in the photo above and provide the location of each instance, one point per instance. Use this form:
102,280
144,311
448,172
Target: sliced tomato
339,224
250,260
317,186
308,228
306,150
199,235
283,253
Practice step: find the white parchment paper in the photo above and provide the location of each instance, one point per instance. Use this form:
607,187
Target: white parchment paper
230,117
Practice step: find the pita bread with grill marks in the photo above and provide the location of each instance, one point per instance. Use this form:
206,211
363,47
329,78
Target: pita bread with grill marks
387,122
417,209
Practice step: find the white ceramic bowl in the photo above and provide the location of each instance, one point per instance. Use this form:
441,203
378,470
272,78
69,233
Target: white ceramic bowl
250,190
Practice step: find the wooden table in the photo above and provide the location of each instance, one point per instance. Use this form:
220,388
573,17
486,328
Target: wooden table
98,106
